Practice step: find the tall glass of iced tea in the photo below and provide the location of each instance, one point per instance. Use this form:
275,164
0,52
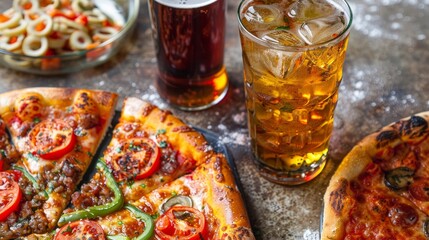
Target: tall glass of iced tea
189,39
293,55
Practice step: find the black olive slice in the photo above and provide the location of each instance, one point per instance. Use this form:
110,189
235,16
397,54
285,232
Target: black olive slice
399,178
181,200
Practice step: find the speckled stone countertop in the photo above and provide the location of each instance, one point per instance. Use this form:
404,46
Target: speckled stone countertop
386,77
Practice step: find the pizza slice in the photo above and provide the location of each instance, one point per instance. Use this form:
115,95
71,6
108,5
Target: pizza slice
203,204
150,147
380,188
56,131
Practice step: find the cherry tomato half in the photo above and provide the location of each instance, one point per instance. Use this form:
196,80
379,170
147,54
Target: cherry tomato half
10,194
135,158
84,229
181,222
52,139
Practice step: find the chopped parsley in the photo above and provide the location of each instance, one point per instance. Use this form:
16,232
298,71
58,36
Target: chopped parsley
3,153
79,132
134,147
143,185
36,120
163,144
31,156
160,131
130,183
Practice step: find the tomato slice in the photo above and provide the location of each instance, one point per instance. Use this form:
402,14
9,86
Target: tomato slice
52,139
10,194
135,158
84,229
181,222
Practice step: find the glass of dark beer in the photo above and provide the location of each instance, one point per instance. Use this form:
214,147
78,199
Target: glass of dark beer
189,38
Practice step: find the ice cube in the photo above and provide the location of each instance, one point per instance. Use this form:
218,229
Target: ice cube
262,17
282,37
279,63
303,10
321,29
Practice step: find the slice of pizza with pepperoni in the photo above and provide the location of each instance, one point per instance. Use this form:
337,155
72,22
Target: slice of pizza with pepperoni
56,132
381,188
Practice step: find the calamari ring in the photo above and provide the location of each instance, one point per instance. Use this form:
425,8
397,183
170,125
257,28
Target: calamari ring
80,6
12,21
18,5
53,4
35,46
105,33
70,24
43,19
8,46
15,31
95,16
79,40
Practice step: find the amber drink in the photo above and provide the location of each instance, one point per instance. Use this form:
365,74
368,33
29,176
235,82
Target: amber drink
293,55
189,41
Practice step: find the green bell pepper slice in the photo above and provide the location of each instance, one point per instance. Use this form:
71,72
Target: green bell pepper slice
102,210
30,177
144,217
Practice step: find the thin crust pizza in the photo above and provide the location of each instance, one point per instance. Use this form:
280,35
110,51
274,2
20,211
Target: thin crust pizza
56,132
381,188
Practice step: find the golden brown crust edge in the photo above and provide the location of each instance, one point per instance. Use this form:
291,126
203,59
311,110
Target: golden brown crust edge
57,95
184,138
225,199
336,200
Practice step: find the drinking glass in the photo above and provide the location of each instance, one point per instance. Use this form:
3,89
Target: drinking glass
293,54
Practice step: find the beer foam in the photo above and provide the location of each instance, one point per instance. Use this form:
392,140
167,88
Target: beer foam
185,4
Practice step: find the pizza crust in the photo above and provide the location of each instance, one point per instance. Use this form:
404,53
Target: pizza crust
184,138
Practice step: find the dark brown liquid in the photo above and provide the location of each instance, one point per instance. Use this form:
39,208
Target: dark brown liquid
190,49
